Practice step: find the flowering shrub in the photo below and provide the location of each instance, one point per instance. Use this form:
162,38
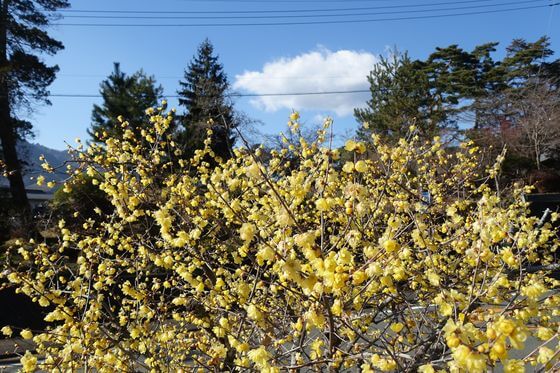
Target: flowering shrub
403,261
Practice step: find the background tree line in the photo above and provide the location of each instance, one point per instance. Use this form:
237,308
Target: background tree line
25,79
202,98
126,100
512,102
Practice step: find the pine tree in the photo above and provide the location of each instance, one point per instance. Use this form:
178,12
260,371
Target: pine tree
24,77
126,96
203,94
401,97
432,93
525,62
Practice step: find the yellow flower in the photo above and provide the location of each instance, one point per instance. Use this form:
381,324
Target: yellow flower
26,334
44,302
366,368
469,360
384,364
433,277
348,167
28,362
315,319
509,258
545,355
518,337
254,313
283,218
266,253
534,290
397,327
360,148
358,277
453,341
322,204
260,356
514,366
7,331
544,334
254,170
294,116
350,145
247,232
390,245
361,166
336,308
505,326
40,180
498,350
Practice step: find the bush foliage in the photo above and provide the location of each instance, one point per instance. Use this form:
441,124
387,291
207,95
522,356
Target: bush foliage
407,260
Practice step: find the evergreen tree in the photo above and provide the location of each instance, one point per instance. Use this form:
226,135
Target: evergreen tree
203,94
24,77
525,62
400,97
432,93
126,96
525,65
521,110
463,78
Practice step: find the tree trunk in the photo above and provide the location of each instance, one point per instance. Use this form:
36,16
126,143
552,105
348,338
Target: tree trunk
8,137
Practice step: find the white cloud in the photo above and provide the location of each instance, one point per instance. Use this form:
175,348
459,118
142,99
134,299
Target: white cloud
316,71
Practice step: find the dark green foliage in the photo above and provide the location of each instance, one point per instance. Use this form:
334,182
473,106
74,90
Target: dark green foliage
402,96
126,96
522,111
27,76
451,82
513,102
24,77
524,61
203,95
524,65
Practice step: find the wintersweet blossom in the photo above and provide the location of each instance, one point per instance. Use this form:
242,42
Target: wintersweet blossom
298,258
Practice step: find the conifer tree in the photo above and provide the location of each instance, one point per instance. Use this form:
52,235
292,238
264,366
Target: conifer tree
203,95
124,95
401,97
433,93
24,77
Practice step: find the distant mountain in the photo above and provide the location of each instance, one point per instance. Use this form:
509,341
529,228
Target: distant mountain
29,153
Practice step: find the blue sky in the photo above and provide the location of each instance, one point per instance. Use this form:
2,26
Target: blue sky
268,59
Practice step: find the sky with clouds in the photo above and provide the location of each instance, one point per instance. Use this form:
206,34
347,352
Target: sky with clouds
323,69
298,54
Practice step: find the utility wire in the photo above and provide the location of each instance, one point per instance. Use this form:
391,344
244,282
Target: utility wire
267,11
69,95
304,15
286,1
306,23
177,77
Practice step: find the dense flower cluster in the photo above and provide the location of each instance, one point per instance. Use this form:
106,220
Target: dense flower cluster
400,259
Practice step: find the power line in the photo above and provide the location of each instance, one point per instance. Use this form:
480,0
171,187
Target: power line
97,76
177,77
267,11
72,95
307,23
286,1
302,15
